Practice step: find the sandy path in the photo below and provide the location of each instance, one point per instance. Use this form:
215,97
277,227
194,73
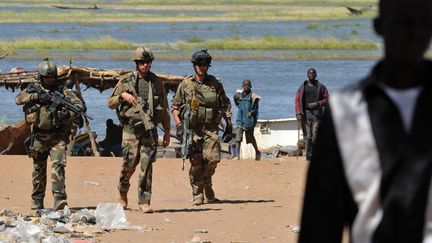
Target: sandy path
260,199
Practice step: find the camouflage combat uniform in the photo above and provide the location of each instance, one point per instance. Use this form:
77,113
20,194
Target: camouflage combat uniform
138,145
47,139
205,149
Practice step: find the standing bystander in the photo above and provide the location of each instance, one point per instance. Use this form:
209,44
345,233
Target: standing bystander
310,101
247,116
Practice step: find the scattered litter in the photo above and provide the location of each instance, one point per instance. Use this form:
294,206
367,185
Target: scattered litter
294,228
111,216
91,183
7,213
277,206
62,228
84,215
25,231
195,239
52,239
200,231
72,227
167,220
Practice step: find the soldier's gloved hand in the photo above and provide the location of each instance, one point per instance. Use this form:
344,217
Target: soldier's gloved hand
63,115
179,130
299,117
43,99
313,106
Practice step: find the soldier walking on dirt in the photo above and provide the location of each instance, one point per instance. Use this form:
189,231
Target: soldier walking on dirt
247,116
141,103
198,107
50,134
311,98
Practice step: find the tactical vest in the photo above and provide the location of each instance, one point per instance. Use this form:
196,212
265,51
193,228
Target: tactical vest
144,89
208,103
40,116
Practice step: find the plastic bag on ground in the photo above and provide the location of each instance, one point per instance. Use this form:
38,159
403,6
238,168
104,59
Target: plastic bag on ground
111,216
26,231
52,239
82,215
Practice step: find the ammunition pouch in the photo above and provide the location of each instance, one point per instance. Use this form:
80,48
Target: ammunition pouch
204,115
45,119
31,114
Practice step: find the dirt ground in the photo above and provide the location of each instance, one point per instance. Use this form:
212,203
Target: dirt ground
260,200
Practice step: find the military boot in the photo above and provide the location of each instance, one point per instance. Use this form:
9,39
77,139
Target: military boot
198,199
210,195
37,204
59,203
122,199
145,208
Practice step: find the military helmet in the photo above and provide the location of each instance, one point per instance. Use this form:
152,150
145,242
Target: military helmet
143,54
47,69
201,57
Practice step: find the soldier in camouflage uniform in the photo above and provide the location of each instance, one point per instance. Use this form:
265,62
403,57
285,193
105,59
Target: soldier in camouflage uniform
204,96
140,89
50,135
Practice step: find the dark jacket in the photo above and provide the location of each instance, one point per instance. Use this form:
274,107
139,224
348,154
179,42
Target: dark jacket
322,98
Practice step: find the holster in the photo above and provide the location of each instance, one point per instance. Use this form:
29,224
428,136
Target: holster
28,143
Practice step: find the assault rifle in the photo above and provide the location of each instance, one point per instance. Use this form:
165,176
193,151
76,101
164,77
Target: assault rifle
186,139
57,101
138,111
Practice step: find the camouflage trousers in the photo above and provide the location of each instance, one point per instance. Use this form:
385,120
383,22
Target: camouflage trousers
42,146
137,146
204,159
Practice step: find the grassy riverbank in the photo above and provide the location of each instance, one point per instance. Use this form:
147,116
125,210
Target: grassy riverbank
182,11
235,43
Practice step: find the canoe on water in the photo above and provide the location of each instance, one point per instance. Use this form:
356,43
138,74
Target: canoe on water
67,7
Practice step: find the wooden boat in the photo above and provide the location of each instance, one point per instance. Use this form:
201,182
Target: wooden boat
272,135
94,7
12,138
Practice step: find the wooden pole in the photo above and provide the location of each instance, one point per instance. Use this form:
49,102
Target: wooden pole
86,122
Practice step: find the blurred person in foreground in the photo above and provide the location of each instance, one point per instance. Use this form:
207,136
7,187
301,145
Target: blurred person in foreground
372,163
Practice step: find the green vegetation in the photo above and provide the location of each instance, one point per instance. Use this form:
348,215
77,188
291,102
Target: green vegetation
282,43
103,43
184,10
236,43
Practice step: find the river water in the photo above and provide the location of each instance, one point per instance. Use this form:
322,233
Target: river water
275,81
355,29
